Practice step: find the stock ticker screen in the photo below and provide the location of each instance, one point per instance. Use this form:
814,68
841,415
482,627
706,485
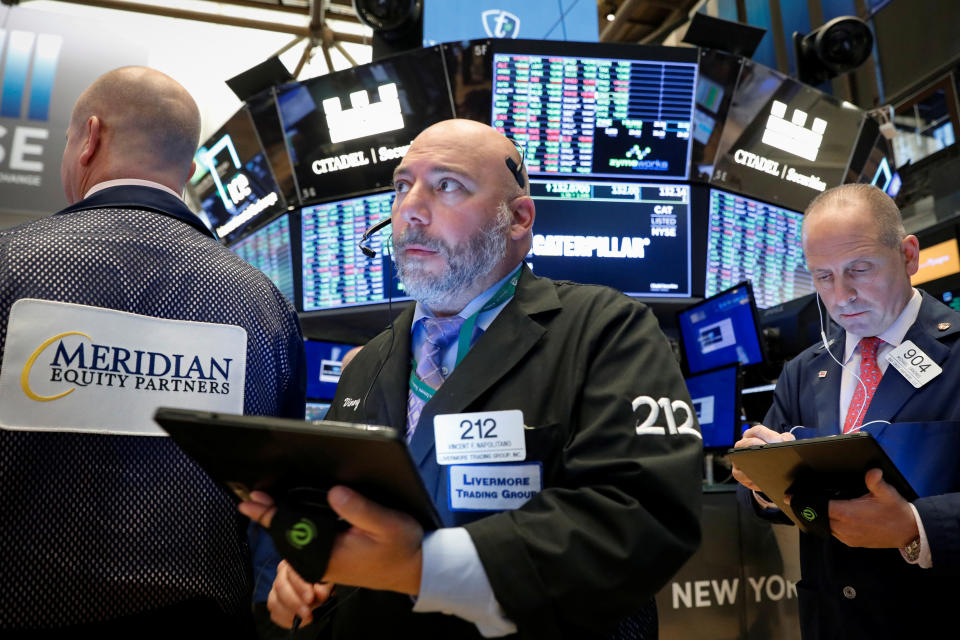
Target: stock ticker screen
268,249
597,117
751,240
630,236
335,271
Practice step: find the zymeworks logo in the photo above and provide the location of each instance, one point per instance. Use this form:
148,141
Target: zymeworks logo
72,360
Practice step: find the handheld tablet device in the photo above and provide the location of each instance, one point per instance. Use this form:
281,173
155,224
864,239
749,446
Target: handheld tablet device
298,461
831,467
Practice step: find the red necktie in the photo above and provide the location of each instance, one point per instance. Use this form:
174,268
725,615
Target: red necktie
870,376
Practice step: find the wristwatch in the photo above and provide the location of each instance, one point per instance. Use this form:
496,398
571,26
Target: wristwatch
913,550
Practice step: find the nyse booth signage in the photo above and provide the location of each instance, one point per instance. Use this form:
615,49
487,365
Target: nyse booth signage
47,61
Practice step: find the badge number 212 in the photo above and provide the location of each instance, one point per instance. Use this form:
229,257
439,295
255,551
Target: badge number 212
485,429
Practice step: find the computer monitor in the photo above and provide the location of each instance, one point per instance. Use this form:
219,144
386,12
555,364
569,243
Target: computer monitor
323,367
336,273
317,410
596,110
750,240
234,181
784,141
716,400
721,330
269,249
347,131
634,237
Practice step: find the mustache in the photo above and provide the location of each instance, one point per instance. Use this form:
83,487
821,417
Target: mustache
418,236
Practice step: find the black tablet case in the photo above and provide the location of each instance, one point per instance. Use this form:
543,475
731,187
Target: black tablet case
294,459
833,464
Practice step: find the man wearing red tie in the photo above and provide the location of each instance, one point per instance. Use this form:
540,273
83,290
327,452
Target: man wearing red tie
888,569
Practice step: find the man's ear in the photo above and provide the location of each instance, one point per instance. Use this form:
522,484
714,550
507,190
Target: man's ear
91,140
524,212
910,247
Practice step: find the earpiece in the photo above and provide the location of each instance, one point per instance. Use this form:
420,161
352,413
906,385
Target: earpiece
515,169
364,243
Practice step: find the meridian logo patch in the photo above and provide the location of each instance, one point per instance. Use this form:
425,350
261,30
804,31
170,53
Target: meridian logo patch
33,56
809,514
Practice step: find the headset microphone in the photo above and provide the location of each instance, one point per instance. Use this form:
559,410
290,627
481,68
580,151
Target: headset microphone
363,244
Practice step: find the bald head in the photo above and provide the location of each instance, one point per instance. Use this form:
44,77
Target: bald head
882,212
484,143
132,122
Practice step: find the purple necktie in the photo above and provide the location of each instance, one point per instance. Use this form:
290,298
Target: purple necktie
440,332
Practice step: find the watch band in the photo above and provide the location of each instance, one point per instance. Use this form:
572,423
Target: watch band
912,550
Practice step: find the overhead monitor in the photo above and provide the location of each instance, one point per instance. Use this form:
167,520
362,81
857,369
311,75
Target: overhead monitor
324,362
716,400
784,141
596,111
233,181
751,240
269,249
721,330
574,20
335,272
470,74
717,78
937,261
347,131
634,237
266,119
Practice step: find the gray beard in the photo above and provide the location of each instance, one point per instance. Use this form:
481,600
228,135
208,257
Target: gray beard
466,263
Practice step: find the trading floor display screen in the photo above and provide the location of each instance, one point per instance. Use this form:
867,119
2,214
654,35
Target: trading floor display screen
751,240
723,329
629,236
268,249
234,182
335,272
784,141
347,131
603,112
715,399
324,363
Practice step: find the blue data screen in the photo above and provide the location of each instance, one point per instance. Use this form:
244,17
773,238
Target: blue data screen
714,397
721,330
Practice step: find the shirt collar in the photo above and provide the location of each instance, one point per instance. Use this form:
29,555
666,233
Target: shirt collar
472,307
894,334
123,182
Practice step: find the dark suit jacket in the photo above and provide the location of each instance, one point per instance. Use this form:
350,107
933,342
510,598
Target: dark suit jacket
873,593
619,511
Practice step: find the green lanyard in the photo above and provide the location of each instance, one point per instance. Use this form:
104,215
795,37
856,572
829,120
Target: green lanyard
424,391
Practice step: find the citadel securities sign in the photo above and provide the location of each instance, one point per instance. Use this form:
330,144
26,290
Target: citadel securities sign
70,367
48,60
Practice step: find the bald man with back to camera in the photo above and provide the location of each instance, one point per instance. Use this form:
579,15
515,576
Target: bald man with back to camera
889,567
570,539
119,303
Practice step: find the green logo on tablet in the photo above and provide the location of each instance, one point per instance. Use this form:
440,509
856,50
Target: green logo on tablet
809,514
301,534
